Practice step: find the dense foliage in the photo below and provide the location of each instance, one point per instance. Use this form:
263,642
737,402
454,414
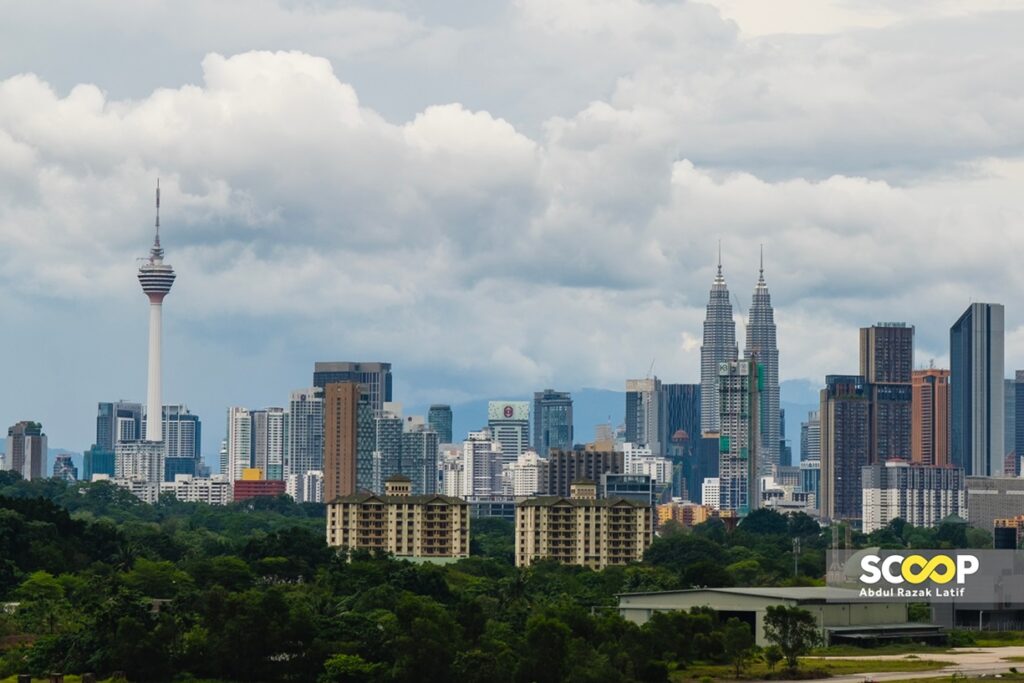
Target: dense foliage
251,592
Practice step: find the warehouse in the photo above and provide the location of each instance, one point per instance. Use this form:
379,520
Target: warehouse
841,615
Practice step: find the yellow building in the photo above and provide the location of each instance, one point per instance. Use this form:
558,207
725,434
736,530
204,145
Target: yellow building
582,529
685,514
426,526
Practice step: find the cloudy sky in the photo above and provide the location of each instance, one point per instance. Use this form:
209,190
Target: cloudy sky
494,196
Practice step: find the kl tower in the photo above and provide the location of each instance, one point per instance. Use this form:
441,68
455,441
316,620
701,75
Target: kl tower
156,278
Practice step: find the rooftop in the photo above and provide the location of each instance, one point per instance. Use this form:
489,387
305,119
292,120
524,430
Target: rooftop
798,593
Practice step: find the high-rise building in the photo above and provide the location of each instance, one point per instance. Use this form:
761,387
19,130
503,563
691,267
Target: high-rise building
701,465
739,388
810,481
1018,422
117,421
710,490
845,445
239,438
1010,427
976,390
483,463
920,495
156,278
887,353
182,432
929,432
810,437
306,488
304,437
269,427
785,449
552,421
509,422
419,457
97,461
140,461
64,468
523,477
439,417
761,344
562,468
387,453
886,361
375,379
680,409
644,420
341,430
26,450
719,347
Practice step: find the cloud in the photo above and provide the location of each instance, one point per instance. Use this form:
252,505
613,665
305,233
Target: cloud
546,216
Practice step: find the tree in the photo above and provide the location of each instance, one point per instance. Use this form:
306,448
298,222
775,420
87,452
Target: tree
350,669
793,630
738,642
772,656
764,521
42,602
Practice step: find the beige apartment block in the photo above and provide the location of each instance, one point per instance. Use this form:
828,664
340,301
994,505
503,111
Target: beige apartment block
423,527
582,529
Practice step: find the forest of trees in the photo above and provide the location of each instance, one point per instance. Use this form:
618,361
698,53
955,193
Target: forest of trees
251,592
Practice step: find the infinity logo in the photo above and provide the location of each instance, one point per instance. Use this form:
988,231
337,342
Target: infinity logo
916,569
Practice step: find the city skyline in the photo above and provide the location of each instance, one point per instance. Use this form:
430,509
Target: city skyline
862,223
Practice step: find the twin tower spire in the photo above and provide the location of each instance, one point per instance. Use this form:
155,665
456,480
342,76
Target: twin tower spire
720,346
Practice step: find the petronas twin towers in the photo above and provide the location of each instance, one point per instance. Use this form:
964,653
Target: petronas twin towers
720,347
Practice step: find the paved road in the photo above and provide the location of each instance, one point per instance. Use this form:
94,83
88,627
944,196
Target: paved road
969,661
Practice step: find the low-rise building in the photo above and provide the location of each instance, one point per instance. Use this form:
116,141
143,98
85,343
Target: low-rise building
684,513
430,526
215,490
921,495
582,529
992,498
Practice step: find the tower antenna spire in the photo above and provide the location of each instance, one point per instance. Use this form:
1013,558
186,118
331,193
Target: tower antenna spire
719,257
157,212
762,259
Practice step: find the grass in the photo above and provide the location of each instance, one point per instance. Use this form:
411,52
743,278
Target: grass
890,649
822,667
998,638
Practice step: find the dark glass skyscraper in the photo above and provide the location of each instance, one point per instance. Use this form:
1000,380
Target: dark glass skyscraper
374,377
886,362
439,417
552,421
845,445
976,390
117,421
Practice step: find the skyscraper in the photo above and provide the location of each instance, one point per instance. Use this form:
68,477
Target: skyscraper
845,445
117,421
929,431
387,452
976,390
509,422
680,408
268,441
156,278
810,437
1011,460
183,435
440,419
26,450
761,344
719,347
304,437
419,458
64,468
375,378
1018,440
552,421
341,425
739,385
239,438
644,421
886,360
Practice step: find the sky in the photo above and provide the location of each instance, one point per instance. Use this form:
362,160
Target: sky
496,197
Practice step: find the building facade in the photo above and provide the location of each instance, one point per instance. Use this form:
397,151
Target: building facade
552,421
439,417
644,419
375,379
680,410
304,439
810,437
921,495
140,461
845,445
992,498
719,346
341,439
305,488
976,390
583,529
400,523
562,468
710,490
929,432
739,385
762,346
215,490
26,450
117,421
64,468
509,422
886,362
